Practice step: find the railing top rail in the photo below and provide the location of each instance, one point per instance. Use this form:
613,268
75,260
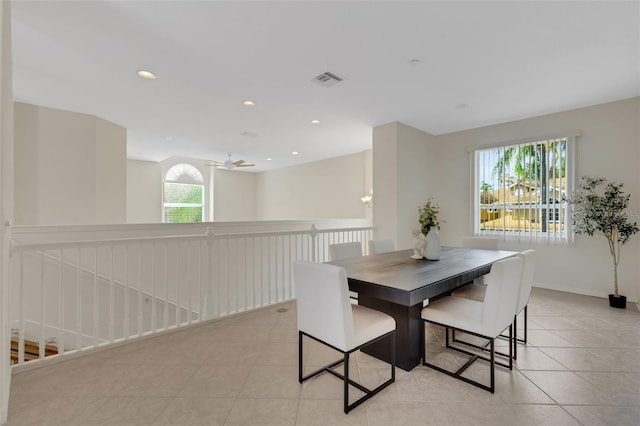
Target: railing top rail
262,233
361,228
18,246
297,232
56,245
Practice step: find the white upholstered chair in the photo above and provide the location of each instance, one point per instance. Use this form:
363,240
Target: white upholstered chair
475,292
325,315
381,246
488,243
487,319
342,251
524,294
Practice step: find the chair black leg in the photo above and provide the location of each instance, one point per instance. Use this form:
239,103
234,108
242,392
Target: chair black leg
392,341
511,353
422,340
446,337
525,324
368,393
515,331
514,341
346,383
474,356
492,388
484,347
300,356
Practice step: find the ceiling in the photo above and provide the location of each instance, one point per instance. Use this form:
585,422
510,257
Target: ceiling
478,63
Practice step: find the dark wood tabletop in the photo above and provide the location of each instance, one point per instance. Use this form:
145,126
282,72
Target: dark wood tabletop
397,278
397,284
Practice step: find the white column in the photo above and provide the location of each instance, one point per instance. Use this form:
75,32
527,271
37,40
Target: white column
404,178
385,171
368,183
6,202
210,211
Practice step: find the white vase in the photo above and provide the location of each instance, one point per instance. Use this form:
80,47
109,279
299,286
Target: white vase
418,245
432,248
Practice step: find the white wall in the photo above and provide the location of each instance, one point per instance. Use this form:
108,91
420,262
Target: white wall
6,201
144,192
408,166
27,194
234,191
234,196
323,189
70,168
609,147
326,189
110,172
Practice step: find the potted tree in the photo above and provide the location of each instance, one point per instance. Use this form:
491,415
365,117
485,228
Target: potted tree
604,211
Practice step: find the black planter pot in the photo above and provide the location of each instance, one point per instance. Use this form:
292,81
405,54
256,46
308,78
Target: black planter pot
618,302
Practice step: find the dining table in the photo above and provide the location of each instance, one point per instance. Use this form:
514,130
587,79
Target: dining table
399,285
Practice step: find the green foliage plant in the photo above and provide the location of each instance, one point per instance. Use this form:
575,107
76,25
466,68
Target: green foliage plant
429,216
598,210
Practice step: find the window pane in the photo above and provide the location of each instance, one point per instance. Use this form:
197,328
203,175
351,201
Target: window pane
182,214
522,188
183,202
183,193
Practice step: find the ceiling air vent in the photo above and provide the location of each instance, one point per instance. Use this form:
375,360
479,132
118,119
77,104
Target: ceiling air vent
327,79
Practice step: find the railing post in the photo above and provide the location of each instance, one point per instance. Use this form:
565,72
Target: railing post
209,302
313,234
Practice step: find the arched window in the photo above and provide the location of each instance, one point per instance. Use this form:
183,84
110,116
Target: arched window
183,195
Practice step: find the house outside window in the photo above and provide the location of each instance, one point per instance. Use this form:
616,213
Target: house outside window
519,189
183,195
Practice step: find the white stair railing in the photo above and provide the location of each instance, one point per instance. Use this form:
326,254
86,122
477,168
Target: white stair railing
93,293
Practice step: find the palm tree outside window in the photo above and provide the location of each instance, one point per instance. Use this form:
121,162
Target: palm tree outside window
521,187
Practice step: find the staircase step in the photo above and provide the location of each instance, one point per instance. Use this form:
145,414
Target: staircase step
31,350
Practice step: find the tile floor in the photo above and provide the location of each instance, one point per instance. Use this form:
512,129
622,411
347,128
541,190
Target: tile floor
581,366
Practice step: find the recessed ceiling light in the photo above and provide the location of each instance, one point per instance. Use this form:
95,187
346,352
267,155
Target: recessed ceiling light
315,121
249,103
413,63
462,106
294,152
269,159
146,74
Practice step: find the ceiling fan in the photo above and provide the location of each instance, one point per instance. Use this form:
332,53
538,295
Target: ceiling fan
230,164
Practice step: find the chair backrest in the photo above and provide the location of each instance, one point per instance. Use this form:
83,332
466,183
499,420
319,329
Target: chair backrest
501,296
490,243
345,251
529,258
324,309
381,246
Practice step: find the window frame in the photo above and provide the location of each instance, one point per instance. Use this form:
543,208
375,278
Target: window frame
524,235
184,174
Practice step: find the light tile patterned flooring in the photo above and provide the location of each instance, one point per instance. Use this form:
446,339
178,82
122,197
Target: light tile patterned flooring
581,366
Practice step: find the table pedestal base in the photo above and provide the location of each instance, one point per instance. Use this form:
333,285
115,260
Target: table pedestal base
408,329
